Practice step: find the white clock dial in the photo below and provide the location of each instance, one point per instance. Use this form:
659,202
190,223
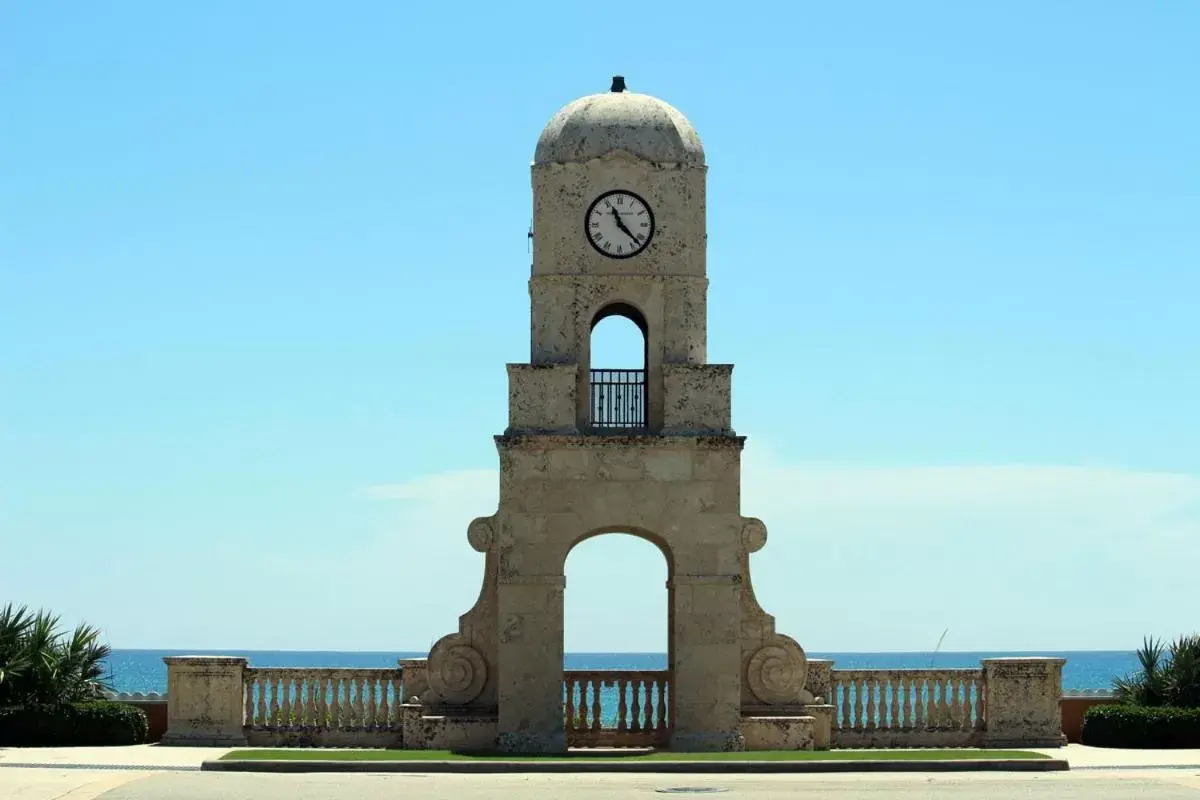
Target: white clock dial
619,224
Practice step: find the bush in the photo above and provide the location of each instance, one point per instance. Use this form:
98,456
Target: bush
43,665
1141,726
1168,676
74,724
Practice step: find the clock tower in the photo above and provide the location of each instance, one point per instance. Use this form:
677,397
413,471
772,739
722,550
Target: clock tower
649,449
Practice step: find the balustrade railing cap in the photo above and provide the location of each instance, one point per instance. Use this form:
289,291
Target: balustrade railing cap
208,660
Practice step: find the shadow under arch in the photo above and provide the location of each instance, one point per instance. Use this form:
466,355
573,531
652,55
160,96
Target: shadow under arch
621,308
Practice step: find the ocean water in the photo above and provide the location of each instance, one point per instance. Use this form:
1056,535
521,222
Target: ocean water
144,670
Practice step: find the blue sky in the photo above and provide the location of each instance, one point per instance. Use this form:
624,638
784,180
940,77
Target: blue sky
262,264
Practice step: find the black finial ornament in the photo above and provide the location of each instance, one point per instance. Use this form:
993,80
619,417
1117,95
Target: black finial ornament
618,84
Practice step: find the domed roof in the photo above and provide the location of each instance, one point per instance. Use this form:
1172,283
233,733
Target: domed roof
639,124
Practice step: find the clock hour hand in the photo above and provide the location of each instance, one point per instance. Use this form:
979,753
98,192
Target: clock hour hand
621,225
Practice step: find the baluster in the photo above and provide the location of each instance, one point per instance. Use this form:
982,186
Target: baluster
943,707
622,706
248,703
276,689
296,707
636,711
662,703
980,702
310,701
596,685
893,722
856,709
955,703
581,710
570,712
871,684
968,722
259,702
322,700
335,700
372,685
906,710
384,720
919,717
648,724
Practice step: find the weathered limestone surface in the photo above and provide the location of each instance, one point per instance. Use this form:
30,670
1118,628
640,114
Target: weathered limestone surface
778,733
674,481
1024,703
204,701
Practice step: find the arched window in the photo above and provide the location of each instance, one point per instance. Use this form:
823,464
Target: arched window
618,376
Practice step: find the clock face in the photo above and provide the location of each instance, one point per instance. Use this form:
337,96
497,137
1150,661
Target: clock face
619,224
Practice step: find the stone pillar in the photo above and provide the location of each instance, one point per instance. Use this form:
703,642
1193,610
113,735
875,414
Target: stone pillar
1023,707
706,684
205,701
530,665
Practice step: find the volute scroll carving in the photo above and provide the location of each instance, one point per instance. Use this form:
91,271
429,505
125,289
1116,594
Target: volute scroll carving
754,534
457,671
481,534
778,671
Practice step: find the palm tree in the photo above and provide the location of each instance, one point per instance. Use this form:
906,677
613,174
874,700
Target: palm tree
1148,687
1169,676
39,664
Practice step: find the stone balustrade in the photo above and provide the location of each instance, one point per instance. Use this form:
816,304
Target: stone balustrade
617,708
908,707
322,706
217,700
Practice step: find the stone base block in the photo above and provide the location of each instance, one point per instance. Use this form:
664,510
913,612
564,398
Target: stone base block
822,714
778,733
706,742
531,743
456,732
1001,742
202,739
322,737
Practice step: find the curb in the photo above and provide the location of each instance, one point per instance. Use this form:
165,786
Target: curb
491,767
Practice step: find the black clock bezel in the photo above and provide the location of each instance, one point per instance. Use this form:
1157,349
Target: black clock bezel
587,216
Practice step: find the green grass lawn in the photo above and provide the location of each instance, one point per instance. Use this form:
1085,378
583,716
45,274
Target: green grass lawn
337,754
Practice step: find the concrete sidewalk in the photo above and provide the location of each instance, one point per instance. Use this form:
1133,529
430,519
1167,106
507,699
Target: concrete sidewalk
1083,757
138,756
156,757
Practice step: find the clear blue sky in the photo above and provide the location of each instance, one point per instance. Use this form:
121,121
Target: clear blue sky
262,264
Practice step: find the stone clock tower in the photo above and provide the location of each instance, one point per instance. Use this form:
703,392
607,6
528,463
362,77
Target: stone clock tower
618,229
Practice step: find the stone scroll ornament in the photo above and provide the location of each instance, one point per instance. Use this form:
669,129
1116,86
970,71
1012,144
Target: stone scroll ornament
457,671
778,671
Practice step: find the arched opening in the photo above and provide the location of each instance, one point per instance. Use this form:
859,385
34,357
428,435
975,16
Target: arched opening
618,650
619,355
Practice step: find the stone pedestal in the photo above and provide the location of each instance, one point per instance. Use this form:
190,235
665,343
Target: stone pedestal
1024,702
205,697
778,733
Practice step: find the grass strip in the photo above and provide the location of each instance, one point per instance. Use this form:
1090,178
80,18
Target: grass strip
338,754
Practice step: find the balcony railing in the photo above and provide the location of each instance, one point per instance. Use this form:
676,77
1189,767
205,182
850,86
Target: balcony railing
617,708
618,398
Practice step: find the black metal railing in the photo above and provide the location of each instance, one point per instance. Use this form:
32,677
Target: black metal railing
618,398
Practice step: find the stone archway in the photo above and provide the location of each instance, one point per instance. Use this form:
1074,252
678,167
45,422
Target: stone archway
608,704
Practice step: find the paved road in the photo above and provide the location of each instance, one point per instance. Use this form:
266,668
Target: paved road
48,784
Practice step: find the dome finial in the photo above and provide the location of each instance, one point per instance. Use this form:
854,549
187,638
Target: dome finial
618,84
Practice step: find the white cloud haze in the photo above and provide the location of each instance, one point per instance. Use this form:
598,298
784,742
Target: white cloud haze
1006,557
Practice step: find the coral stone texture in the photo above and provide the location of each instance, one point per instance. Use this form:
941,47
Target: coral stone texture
672,477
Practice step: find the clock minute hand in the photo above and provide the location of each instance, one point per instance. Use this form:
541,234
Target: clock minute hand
621,225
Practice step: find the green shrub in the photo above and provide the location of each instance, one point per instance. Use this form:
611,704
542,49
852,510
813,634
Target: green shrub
1141,726
1169,676
40,664
74,724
